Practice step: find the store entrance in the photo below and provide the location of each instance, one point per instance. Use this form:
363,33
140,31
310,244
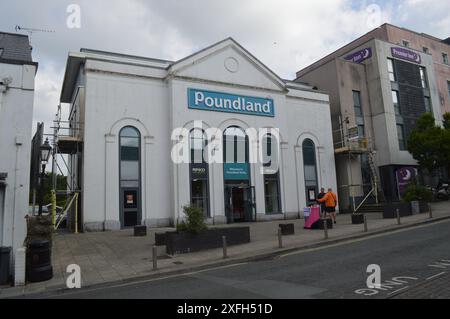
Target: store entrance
239,203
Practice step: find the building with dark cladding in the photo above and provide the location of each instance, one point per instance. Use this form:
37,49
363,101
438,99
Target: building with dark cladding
379,85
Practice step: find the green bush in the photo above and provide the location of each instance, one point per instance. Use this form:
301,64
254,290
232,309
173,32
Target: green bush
195,222
416,192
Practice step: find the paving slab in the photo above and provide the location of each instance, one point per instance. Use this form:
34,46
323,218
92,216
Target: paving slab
116,256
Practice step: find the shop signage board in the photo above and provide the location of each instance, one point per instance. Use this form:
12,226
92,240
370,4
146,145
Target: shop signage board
231,103
236,171
405,54
199,171
360,55
404,176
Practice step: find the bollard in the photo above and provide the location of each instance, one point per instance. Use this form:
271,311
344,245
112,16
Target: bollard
155,258
431,212
325,228
398,217
224,243
366,229
280,238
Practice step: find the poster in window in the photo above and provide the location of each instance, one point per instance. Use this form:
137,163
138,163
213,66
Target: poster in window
312,194
130,199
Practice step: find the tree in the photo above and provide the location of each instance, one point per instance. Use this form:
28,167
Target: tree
426,143
446,121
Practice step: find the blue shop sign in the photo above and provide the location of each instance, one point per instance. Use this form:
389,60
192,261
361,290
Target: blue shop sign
224,102
236,171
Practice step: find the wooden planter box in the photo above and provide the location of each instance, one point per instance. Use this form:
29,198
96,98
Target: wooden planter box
185,242
357,219
287,229
423,207
140,231
390,210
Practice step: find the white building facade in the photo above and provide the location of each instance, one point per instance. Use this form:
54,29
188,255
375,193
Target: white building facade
17,75
133,111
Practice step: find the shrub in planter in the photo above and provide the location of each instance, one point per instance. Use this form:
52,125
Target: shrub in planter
415,192
195,222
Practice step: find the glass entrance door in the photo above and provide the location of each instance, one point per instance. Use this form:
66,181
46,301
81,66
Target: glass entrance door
238,203
130,207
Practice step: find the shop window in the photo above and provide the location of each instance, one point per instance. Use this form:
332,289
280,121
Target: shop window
391,70
272,193
271,178
310,170
199,171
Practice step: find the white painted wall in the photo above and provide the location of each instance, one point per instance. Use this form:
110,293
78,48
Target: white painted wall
155,101
16,113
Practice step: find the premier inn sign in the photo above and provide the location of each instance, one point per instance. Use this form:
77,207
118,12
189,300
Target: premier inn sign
224,102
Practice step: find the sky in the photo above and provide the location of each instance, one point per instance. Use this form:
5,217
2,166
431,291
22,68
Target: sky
286,35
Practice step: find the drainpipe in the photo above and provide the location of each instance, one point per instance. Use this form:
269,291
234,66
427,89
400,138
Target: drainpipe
2,90
4,86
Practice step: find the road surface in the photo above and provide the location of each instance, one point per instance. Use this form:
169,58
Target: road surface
414,263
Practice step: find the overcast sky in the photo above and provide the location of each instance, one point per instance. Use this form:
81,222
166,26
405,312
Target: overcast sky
285,35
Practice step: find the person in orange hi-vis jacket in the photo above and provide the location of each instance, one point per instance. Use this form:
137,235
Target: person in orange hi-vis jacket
330,200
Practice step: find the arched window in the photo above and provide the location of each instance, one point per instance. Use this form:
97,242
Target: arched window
235,145
236,173
199,171
310,170
130,176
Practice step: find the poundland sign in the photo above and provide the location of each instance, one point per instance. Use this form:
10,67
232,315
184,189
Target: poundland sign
224,102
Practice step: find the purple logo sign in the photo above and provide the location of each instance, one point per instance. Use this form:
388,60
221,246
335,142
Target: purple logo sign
406,54
405,176
360,56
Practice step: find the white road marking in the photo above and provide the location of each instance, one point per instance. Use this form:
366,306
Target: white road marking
435,276
398,290
351,241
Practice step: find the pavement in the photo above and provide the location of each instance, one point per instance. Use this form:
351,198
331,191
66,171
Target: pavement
117,257
413,263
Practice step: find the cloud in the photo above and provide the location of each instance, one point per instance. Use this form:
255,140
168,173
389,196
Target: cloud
286,35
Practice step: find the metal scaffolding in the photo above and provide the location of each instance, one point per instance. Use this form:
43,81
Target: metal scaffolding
67,144
348,143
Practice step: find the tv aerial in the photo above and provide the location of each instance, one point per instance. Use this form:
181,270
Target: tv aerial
32,30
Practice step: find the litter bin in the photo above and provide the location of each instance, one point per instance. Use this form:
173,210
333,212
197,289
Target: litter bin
5,259
39,266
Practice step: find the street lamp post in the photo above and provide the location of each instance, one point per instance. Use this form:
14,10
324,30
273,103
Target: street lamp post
45,155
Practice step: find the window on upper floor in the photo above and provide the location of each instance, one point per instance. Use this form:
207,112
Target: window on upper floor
423,77
426,50
357,103
448,86
1,52
401,137
444,58
405,43
395,102
428,106
391,70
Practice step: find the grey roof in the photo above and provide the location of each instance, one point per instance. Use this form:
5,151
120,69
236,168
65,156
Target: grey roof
15,48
